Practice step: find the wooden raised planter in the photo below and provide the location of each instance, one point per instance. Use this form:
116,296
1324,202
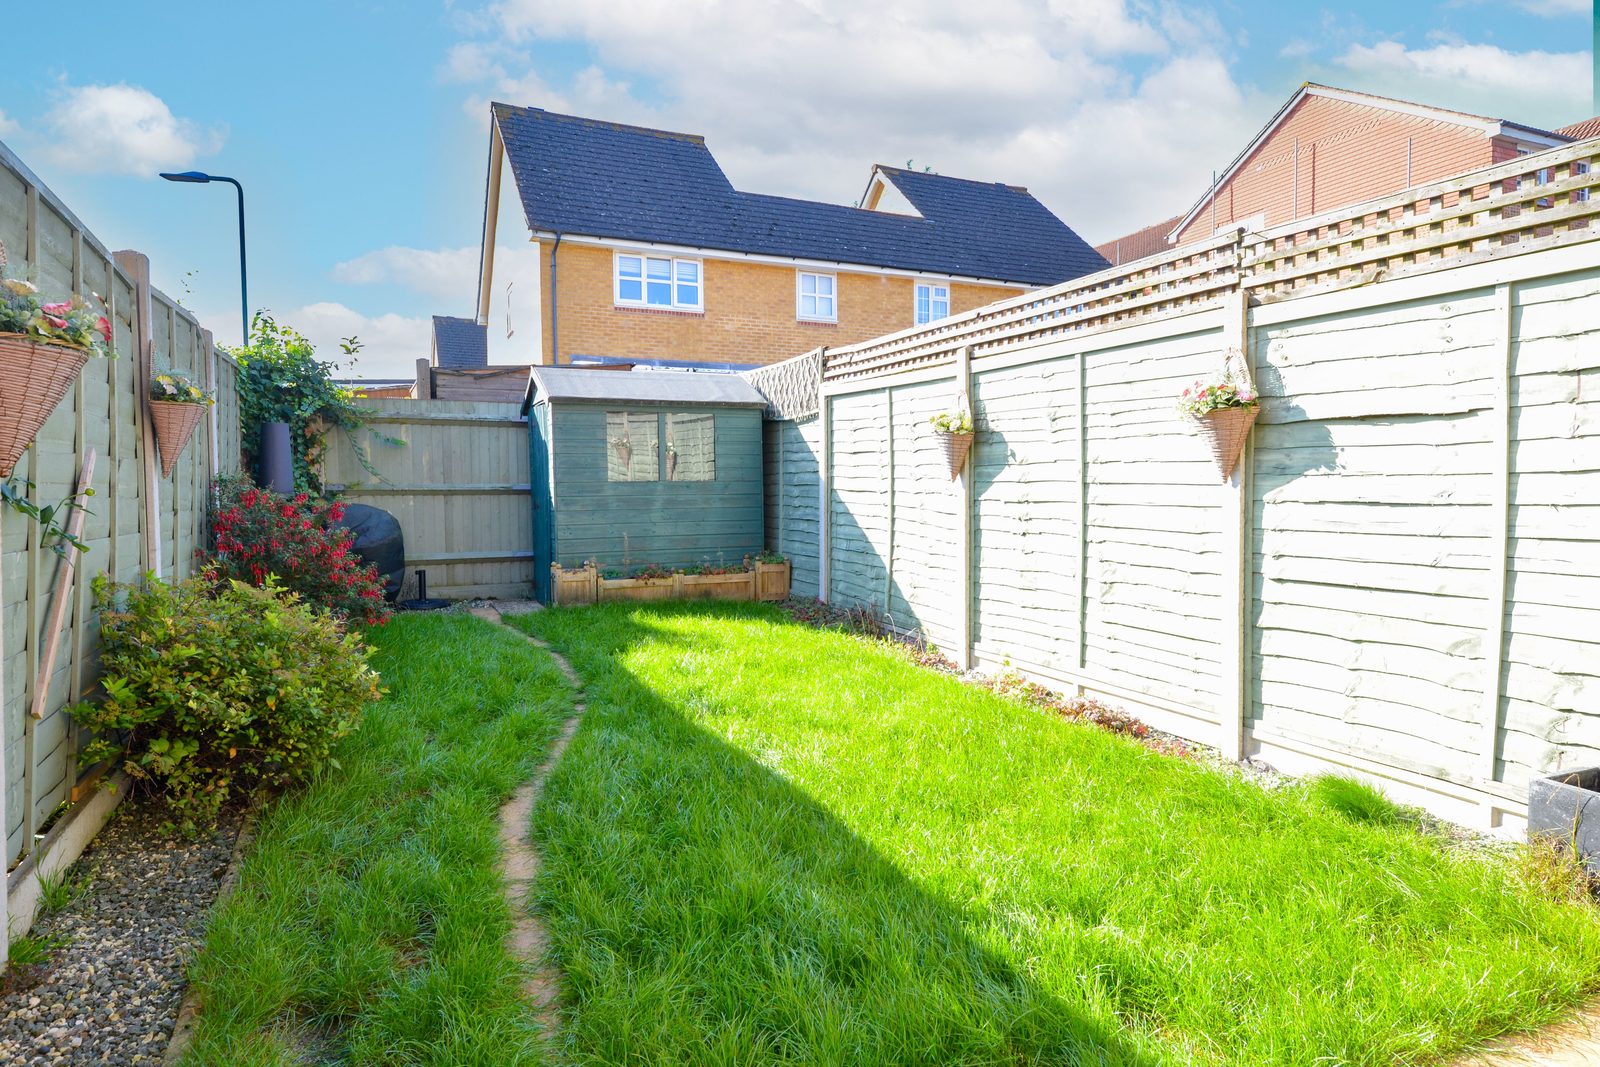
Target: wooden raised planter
763,581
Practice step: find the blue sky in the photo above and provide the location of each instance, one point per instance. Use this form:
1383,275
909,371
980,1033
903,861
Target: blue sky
360,131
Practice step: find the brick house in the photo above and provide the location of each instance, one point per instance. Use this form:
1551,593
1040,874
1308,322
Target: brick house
611,243
1328,148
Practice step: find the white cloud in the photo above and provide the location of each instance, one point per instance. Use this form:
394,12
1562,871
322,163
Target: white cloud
448,273
1556,8
800,97
392,343
8,127
1548,9
123,129
1541,88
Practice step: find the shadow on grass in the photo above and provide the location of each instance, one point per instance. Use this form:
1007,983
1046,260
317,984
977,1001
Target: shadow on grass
708,911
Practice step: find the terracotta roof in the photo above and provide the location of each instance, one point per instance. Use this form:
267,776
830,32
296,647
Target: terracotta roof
1139,243
1579,131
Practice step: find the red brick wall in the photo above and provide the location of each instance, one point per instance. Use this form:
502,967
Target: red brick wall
749,312
1349,152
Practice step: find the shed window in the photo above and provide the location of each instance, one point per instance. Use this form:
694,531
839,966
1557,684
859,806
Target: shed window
933,302
632,447
816,298
691,447
658,282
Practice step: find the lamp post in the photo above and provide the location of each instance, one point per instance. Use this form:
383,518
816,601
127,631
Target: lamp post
202,178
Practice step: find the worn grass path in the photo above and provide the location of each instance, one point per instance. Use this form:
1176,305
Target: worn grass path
768,844
370,925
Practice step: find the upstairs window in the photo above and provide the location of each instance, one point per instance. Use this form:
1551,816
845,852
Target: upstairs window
658,282
932,302
816,298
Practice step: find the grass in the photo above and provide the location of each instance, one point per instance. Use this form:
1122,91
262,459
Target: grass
368,919
771,844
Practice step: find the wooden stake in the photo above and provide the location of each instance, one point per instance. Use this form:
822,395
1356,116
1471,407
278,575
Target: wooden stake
58,605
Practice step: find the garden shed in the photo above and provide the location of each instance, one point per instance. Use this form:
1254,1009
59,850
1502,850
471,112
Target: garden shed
643,467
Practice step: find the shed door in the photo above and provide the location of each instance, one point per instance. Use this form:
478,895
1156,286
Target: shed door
543,506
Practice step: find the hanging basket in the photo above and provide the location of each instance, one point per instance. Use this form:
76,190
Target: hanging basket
1225,430
34,376
955,446
625,453
175,423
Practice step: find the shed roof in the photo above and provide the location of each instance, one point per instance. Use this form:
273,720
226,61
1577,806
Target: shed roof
605,179
644,387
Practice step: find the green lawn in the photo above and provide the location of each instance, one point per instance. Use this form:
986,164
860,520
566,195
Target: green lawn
770,844
369,918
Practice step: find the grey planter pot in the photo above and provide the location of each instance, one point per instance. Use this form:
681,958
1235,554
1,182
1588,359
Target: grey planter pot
1565,807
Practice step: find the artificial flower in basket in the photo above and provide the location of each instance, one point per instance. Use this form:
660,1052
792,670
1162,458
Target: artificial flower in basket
1221,409
176,407
43,346
954,430
623,447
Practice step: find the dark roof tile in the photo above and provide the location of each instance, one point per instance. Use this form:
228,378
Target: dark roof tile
605,179
459,344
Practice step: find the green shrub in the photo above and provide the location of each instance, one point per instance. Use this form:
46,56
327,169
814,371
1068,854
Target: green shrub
216,687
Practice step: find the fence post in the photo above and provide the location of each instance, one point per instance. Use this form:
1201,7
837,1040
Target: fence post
824,477
1494,631
5,919
1236,558
964,502
137,264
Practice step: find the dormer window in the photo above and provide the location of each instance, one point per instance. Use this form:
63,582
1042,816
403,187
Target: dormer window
932,302
658,282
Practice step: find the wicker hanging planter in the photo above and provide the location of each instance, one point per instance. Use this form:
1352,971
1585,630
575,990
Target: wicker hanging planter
1225,430
625,453
955,446
175,423
34,376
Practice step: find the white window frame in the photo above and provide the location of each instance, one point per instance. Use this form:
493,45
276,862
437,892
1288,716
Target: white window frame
833,279
673,263
949,296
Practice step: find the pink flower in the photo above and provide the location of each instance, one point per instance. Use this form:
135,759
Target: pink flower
55,323
58,309
104,327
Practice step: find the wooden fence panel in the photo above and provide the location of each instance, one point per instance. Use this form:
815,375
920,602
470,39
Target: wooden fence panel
858,511
1026,506
923,582
790,450
1372,531
104,410
459,485
1550,707
1420,569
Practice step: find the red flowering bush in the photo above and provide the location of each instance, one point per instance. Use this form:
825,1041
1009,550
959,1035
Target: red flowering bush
260,534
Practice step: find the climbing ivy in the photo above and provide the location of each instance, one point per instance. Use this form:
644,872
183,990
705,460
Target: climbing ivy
282,380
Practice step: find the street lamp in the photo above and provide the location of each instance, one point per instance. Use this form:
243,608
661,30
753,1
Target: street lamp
201,178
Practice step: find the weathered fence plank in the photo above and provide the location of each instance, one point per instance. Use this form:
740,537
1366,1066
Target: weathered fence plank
459,484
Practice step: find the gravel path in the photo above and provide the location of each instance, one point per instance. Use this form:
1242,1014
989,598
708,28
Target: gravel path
112,991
